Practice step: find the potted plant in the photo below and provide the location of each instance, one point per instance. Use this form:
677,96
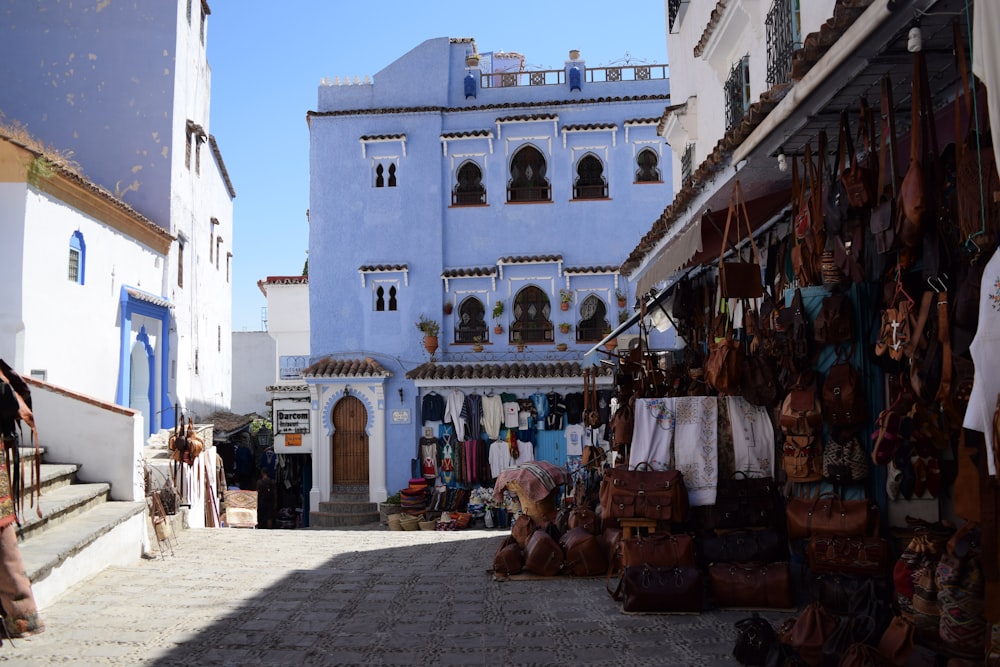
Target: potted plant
477,343
611,343
565,298
565,327
497,314
448,307
561,347
623,316
430,329
622,297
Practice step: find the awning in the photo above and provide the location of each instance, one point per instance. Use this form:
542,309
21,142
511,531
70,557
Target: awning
652,303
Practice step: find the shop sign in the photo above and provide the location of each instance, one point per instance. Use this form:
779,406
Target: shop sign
292,421
293,440
400,416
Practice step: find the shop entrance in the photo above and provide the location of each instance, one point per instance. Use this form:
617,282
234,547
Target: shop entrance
350,442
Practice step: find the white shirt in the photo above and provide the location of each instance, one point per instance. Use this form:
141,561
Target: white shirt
985,351
453,412
574,440
510,411
492,416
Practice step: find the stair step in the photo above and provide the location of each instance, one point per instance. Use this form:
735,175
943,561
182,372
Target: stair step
61,503
45,550
55,475
337,506
323,519
337,489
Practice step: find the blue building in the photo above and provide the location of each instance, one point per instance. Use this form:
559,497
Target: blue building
453,187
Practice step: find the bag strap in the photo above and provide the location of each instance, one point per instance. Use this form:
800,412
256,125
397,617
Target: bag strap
887,140
738,190
733,212
846,158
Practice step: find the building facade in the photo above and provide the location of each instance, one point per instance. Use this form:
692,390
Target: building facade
132,114
460,189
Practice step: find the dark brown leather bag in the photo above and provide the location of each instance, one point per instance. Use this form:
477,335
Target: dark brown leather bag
844,402
658,550
662,590
649,494
522,529
543,555
914,193
765,585
739,279
828,514
582,517
809,632
834,323
744,546
508,558
745,502
849,555
585,556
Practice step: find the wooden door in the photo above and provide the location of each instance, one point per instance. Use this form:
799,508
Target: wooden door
350,442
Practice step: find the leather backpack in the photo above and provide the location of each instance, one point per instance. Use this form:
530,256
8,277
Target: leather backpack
508,558
843,397
801,412
835,322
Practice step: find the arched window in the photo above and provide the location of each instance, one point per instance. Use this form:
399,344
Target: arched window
471,321
531,317
646,171
379,298
392,175
590,182
392,298
469,189
527,176
593,320
379,176
77,258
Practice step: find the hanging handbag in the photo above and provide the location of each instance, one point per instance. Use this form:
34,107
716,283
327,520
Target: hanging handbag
802,458
739,279
649,494
858,180
844,404
828,514
724,366
745,502
763,585
834,323
650,589
809,632
961,590
850,555
845,460
915,197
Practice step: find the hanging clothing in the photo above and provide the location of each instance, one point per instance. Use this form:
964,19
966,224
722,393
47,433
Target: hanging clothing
574,407
492,416
696,446
453,412
510,412
472,413
653,433
432,407
500,458
574,440
985,351
541,403
753,437
428,458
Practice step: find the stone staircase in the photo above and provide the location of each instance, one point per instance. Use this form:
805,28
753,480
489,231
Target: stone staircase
80,532
348,506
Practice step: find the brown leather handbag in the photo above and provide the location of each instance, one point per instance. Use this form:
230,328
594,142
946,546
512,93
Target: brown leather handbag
658,550
522,529
744,546
543,555
828,514
914,193
849,555
508,558
739,279
582,517
764,585
809,632
650,589
649,494
585,556
745,502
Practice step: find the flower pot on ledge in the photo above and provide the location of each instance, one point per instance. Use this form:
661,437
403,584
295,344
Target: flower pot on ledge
563,305
561,347
611,345
431,344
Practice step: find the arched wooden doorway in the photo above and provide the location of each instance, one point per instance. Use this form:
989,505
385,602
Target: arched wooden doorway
350,442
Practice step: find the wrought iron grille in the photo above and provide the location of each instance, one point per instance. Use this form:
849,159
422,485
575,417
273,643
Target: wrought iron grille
687,164
673,9
737,92
783,31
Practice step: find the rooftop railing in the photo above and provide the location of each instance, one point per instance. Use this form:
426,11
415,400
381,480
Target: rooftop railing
556,77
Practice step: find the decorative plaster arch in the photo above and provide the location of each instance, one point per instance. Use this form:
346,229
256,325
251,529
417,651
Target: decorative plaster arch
336,396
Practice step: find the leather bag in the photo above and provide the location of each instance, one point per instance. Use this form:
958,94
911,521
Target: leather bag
543,555
845,460
802,458
739,279
834,323
896,643
585,556
745,502
724,366
915,197
582,517
801,413
744,546
828,514
809,632
766,585
650,589
754,638
522,529
843,397
658,550
849,555
649,494
508,558
857,180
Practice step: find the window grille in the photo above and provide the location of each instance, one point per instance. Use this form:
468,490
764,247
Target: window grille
687,164
737,92
590,182
784,36
471,322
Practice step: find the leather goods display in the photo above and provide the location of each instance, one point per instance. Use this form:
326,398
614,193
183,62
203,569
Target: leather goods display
857,180
543,555
961,590
828,514
585,556
809,632
852,631
851,555
845,460
754,638
658,550
522,529
834,323
915,195
582,517
745,502
508,558
662,589
896,643
744,546
801,413
765,585
649,494
759,382
802,458
844,403
739,279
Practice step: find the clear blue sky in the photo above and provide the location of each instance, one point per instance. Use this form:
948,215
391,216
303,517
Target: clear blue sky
268,57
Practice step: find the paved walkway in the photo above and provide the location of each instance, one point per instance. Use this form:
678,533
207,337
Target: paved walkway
353,597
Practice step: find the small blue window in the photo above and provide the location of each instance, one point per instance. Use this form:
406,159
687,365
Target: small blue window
77,258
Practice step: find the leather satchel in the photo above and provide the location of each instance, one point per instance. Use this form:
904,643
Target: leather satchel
543,555
843,397
835,321
849,555
658,550
739,279
585,556
508,558
766,585
524,526
649,494
828,514
724,366
809,632
745,502
582,517
802,458
744,546
650,589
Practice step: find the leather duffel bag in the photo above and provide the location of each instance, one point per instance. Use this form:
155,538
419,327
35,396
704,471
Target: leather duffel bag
649,494
744,546
849,555
508,559
658,550
650,589
582,517
745,502
828,514
543,555
751,585
585,556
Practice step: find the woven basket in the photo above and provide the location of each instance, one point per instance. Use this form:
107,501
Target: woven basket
394,522
409,522
428,525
